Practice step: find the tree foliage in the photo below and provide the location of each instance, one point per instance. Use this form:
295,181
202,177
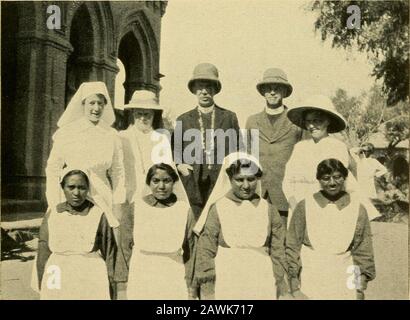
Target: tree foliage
350,108
368,114
383,35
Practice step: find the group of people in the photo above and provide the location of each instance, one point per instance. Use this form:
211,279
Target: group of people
288,222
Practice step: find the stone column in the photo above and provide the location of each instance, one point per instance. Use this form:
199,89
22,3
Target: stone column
41,72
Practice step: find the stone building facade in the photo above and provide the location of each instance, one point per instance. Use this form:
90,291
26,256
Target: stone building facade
42,68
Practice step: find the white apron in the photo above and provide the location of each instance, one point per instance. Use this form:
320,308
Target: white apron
327,269
244,270
92,148
157,270
72,271
300,178
141,152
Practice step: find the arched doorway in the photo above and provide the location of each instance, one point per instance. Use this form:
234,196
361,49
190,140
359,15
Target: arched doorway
130,56
78,63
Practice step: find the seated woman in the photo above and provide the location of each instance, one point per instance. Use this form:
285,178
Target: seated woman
156,268
240,252
76,248
336,260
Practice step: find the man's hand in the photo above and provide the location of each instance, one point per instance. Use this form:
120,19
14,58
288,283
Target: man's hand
292,203
117,210
184,169
116,232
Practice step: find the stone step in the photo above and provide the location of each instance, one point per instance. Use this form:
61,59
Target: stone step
10,206
18,221
22,214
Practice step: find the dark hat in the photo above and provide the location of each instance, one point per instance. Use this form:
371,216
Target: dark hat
275,76
207,72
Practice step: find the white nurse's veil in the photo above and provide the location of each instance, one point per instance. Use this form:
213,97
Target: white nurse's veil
223,184
75,110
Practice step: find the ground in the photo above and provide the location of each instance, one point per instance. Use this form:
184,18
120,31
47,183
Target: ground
391,253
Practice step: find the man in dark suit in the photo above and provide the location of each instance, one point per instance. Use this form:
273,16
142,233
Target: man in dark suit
198,154
277,136
202,138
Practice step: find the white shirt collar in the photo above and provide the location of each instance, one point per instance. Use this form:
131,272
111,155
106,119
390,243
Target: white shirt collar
206,110
275,111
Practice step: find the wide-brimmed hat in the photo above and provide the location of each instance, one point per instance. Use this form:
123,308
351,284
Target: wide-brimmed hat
208,72
322,104
275,76
143,99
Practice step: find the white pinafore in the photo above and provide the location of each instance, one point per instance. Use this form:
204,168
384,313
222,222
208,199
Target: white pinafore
145,150
300,177
244,270
83,274
327,269
156,267
95,148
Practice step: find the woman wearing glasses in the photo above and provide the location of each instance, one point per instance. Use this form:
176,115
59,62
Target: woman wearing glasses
329,246
318,116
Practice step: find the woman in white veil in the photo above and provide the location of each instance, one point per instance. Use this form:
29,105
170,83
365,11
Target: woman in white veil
240,252
76,247
223,185
85,139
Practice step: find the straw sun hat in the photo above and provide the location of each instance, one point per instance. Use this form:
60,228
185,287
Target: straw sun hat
322,104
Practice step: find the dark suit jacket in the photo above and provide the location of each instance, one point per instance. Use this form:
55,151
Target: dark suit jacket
224,119
275,148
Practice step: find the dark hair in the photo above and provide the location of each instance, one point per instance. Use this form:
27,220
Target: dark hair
368,145
306,112
162,166
99,95
73,173
329,166
382,159
236,167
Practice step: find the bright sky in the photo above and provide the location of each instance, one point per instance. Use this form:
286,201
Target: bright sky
243,38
